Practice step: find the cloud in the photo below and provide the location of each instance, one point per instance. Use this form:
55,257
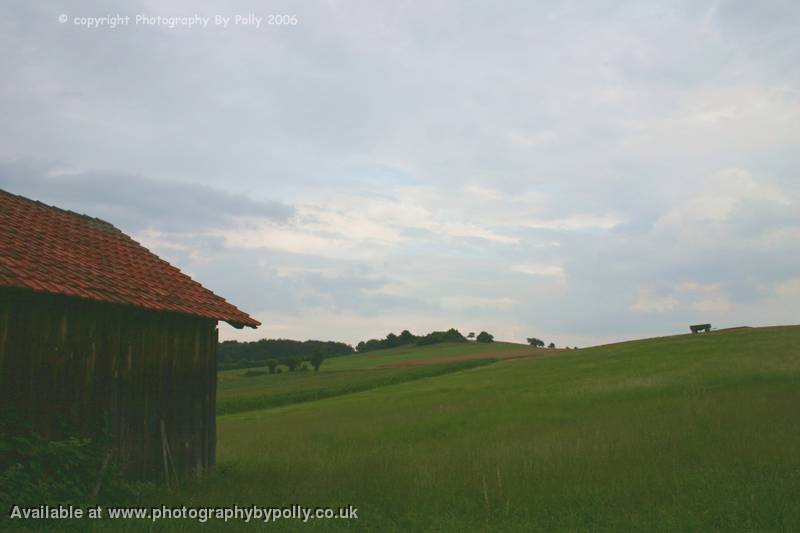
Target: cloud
695,287
789,288
134,202
468,302
578,221
718,304
541,269
368,168
648,301
724,195
466,229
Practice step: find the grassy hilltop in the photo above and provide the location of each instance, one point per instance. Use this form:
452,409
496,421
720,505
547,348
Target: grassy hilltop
683,433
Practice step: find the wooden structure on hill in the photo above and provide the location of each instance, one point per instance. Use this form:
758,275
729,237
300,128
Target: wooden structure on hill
97,334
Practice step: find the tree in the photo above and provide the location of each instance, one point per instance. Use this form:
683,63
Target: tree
232,354
485,337
316,360
392,340
292,362
533,341
272,364
435,337
471,335
551,345
406,337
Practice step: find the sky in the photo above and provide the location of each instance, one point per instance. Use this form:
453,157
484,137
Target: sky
581,172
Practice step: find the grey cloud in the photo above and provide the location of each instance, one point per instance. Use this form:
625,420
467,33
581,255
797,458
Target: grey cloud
135,203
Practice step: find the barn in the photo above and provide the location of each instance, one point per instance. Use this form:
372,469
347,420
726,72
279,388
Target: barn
98,334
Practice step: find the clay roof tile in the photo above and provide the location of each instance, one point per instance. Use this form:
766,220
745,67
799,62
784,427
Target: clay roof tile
47,249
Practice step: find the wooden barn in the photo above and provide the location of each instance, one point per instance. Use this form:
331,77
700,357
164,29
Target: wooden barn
98,334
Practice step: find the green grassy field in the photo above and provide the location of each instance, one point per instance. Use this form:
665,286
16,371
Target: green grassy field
684,433
238,391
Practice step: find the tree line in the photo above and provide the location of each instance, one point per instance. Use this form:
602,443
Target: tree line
539,343
292,354
406,338
235,354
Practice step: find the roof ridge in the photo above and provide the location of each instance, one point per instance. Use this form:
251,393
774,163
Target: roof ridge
70,212
54,250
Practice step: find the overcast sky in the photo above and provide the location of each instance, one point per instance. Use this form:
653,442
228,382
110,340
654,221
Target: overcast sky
576,171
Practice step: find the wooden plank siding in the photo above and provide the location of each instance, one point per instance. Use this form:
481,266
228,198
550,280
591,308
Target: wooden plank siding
73,364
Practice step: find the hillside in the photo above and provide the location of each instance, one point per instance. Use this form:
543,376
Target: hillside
246,390
691,432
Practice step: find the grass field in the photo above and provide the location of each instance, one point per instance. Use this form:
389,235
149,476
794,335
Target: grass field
684,433
238,391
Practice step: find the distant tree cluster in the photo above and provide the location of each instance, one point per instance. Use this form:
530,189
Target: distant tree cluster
274,352
484,337
539,343
406,338
435,337
391,341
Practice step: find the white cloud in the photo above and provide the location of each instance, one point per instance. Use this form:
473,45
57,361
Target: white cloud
717,304
577,221
276,237
484,192
153,239
647,301
535,139
707,298
466,229
717,121
540,269
789,288
695,287
471,302
165,244
716,200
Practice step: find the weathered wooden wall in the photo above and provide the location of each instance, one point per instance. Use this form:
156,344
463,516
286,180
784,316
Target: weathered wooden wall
72,363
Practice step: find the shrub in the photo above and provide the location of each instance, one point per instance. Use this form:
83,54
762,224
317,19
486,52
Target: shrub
316,360
37,471
272,364
551,345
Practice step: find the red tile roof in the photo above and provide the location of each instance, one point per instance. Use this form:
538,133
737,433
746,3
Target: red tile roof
51,250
